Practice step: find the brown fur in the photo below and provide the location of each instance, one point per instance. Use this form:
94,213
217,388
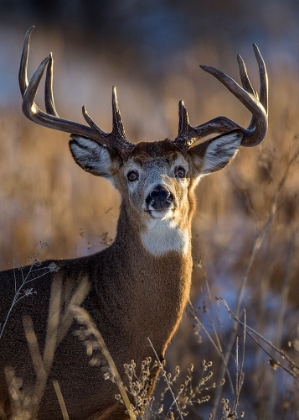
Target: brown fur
133,294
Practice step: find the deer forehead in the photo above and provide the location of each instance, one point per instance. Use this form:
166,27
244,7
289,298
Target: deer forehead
161,165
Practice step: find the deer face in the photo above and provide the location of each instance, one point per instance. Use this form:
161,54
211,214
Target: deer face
157,178
156,182
153,180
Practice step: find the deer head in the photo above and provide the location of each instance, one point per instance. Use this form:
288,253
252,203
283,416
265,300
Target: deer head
155,179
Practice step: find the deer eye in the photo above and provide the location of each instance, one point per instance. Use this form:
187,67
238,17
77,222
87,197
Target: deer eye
133,176
180,172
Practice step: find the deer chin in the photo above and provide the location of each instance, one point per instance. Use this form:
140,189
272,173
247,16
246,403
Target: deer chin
163,214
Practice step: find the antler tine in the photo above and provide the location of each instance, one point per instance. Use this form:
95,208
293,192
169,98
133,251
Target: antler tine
244,76
49,97
256,131
263,77
29,107
116,139
246,84
23,76
118,128
187,134
123,146
185,129
118,132
34,113
183,119
93,124
234,88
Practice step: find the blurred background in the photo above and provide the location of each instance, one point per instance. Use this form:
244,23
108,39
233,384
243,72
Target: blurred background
245,232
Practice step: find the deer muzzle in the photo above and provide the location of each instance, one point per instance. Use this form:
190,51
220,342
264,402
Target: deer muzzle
159,199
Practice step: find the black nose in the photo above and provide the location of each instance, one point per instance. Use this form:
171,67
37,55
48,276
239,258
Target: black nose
159,193
159,198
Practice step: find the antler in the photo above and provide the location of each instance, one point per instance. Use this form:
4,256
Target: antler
115,140
187,134
257,105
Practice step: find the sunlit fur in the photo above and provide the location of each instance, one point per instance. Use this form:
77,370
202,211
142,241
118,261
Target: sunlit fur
138,287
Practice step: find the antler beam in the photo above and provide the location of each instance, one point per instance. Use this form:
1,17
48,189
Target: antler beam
115,140
257,105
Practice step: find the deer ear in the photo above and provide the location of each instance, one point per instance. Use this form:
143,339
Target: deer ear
91,156
216,153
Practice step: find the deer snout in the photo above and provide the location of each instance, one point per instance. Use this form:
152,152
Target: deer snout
159,199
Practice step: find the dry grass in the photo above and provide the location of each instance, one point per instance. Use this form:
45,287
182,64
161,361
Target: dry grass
245,231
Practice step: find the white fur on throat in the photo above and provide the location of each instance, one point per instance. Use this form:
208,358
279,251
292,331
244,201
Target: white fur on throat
163,236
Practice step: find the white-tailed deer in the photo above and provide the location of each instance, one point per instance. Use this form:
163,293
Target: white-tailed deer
138,287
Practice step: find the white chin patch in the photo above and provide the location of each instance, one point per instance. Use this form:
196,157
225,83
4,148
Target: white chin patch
163,235
162,214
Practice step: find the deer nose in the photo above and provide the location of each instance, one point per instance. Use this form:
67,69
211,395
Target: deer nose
159,198
159,193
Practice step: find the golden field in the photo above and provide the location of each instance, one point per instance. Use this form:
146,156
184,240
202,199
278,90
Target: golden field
245,232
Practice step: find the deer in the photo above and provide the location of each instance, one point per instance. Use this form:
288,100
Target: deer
136,289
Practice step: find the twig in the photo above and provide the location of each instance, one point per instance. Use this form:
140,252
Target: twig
61,400
285,291
43,365
83,317
250,331
57,327
18,296
166,379
239,368
218,349
281,314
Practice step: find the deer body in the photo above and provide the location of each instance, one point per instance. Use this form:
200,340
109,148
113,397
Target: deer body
127,310
137,288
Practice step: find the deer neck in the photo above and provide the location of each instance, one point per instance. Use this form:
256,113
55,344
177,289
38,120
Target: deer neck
163,278
157,257
160,281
